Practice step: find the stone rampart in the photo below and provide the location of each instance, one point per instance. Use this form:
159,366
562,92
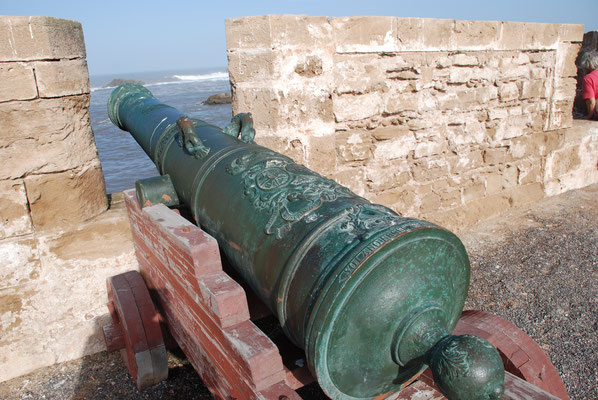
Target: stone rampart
452,121
57,243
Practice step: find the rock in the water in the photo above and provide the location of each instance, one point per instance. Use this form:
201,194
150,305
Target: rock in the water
220,98
117,82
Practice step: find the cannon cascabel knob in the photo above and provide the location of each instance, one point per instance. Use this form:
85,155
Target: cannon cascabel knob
467,367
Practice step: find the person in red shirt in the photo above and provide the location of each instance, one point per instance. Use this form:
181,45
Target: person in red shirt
589,62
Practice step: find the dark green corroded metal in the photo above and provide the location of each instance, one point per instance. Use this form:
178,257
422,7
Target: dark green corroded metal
156,190
369,295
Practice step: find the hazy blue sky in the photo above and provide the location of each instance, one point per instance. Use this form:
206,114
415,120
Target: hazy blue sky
129,36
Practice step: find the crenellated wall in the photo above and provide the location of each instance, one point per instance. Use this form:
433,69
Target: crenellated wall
452,121
57,241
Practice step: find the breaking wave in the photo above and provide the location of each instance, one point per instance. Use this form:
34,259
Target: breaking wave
168,80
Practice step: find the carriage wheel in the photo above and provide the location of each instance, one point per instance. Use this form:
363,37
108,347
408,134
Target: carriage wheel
521,355
135,329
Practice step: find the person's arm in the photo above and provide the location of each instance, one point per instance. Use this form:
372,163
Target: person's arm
591,106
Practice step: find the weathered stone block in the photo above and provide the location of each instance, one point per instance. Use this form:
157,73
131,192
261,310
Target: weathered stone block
465,162
353,145
386,176
461,75
533,89
493,183
529,171
20,261
543,58
410,33
349,107
248,33
15,213
438,34
508,92
513,36
542,35
564,89
524,194
292,147
301,31
474,191
566,57
60,200
476,34
465,60
560,115
321,154
427,149
309,66
580,131
511,71
450,198
395,103
448,101
521,59
261,102
400,200
571,32
430,202
497,156
62,78
390,132
40,38
398,147
45,135
358,73
17,82
483,208
497,113
510,176
252,66
562,161
429,169
364,34
353,178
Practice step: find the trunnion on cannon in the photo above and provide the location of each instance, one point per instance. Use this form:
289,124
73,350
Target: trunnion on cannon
370,296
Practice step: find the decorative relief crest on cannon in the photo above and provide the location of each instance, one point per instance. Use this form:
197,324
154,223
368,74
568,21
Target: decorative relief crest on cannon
288,191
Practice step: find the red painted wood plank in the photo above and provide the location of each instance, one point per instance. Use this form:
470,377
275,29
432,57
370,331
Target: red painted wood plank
280,391
113,337
229,306
207,317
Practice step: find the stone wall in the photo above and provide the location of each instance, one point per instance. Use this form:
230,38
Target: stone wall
452,121
57,243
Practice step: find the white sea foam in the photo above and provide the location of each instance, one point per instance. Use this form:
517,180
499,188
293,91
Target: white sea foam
217,76
214,76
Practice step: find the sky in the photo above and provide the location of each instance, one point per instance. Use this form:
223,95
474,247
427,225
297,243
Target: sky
133,36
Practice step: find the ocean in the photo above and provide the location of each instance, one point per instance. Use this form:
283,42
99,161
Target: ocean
123,161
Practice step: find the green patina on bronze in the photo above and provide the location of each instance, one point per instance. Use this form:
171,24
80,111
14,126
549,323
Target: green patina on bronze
371,296
156,190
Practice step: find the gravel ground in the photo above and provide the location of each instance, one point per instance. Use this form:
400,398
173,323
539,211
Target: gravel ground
538,268
535,266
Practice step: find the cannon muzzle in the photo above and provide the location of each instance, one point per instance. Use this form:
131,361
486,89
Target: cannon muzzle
370,296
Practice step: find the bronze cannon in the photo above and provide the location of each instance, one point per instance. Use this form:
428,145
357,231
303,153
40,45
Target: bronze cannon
370,296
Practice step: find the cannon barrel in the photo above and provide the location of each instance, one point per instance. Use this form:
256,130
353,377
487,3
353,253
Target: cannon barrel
370,296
